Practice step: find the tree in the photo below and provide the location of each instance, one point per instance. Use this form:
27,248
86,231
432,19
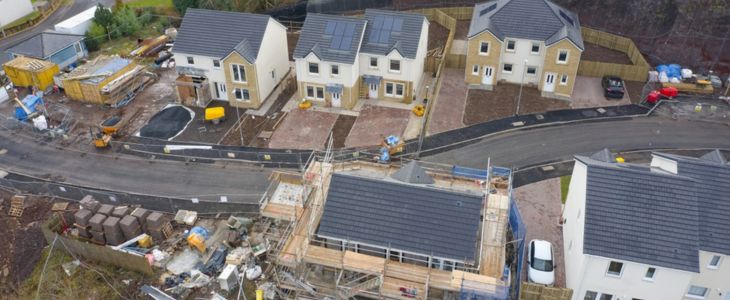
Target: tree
104,18
126,21
94,36
182,5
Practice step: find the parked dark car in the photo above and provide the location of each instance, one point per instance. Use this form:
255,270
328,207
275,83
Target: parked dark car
613,87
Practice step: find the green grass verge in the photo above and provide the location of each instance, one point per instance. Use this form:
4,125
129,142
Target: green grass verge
28,17
150,3
564,184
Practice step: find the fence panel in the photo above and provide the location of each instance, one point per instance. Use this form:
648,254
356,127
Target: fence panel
637,71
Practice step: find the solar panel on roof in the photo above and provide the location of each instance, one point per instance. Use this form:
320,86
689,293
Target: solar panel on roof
384,36
342,34
566,17
488,9
388,23
397,24
346,41
330,27
383,27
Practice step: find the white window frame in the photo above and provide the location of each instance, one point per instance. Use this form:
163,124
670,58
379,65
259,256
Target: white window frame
191,60
390,66
539,48
332,68
593,297
609,267
512,67
218,65
244,94
475,70
370,62
309,68
567,57
693,296
564,82
653,274
715,266
528,73
241,73
506,45
77,47
394,88
482,43
306,92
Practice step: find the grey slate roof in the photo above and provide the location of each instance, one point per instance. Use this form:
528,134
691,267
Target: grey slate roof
391,214
604,155
412,173
712,174
313,39
216,33
44,44
539,20
381,38
641,215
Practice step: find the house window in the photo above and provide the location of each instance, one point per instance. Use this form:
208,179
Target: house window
190,60
313,68
563,56
310,92
697,292
714,262
564,79
606,297
531,71
216,63
315,92
320,93
239,73
77,46
394,65
484,48
475,70
615,268
389,89
241,94
507,68
373,62
535,48
399,90
650,272
590,295
394,89
510,45
335,70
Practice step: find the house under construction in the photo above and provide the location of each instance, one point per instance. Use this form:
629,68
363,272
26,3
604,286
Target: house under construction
359,229
109,80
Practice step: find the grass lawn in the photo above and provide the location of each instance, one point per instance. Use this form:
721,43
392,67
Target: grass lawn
150,3
22,20
564,184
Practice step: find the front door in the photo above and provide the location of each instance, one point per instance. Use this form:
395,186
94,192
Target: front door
373,91
487,78
336,99
549,82
222,91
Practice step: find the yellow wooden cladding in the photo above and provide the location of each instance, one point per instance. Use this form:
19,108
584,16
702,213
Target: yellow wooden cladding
28,72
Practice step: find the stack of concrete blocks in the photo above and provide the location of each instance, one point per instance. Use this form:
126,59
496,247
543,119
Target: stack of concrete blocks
81,222
90,204
130,227
113,231
106,209
155,225
97,228
120,211
141,215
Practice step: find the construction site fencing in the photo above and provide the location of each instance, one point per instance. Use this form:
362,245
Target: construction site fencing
519,232
636,71
205,204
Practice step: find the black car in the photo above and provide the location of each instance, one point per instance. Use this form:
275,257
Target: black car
613,87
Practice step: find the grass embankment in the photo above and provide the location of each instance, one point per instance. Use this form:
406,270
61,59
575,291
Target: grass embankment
564,184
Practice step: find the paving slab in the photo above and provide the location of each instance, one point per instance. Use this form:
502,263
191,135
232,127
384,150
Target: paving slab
588,92
375,123
448,111
303,129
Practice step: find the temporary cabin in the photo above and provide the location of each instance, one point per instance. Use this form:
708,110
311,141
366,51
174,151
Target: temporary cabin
106,80
30,72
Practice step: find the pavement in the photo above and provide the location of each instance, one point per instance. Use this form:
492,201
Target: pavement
240,183
448,111
522,148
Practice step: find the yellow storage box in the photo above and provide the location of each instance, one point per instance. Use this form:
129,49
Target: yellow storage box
28,72
215,113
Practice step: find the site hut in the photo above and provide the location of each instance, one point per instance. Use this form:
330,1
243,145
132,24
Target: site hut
393,54
382,232
234,57
326,59
60,48
531,42
105,80
658,231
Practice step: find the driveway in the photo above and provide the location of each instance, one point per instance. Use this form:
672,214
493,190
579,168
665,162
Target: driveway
303,129
540,206
448,111
375,123
588,92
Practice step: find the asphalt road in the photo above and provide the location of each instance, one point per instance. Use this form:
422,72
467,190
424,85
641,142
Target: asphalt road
525,148
130,174
62,13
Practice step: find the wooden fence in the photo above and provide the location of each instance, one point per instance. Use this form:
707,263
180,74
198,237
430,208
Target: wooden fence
43,12
94,252
531,291
637,71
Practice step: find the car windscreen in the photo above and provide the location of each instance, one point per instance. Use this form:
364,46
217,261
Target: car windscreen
542,265
615,83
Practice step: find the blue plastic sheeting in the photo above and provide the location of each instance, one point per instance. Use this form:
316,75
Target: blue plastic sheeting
519,232
111,67
30,102
200,231
480,174
501,172
392,140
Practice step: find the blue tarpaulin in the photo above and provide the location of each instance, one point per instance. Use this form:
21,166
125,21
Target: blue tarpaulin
31,103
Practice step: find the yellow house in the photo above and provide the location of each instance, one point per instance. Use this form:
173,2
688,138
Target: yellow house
531,42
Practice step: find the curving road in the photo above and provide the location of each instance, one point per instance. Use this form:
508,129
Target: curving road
524,148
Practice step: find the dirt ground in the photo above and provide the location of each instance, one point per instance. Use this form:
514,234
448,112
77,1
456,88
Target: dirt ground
635,89
375,123
462,29
303,129
540,207
22,241
291,40
448,111
341,129
206,132
483,106
437,36
594,52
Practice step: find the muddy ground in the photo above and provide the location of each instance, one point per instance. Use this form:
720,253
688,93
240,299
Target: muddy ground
594,52
483,106
437,36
